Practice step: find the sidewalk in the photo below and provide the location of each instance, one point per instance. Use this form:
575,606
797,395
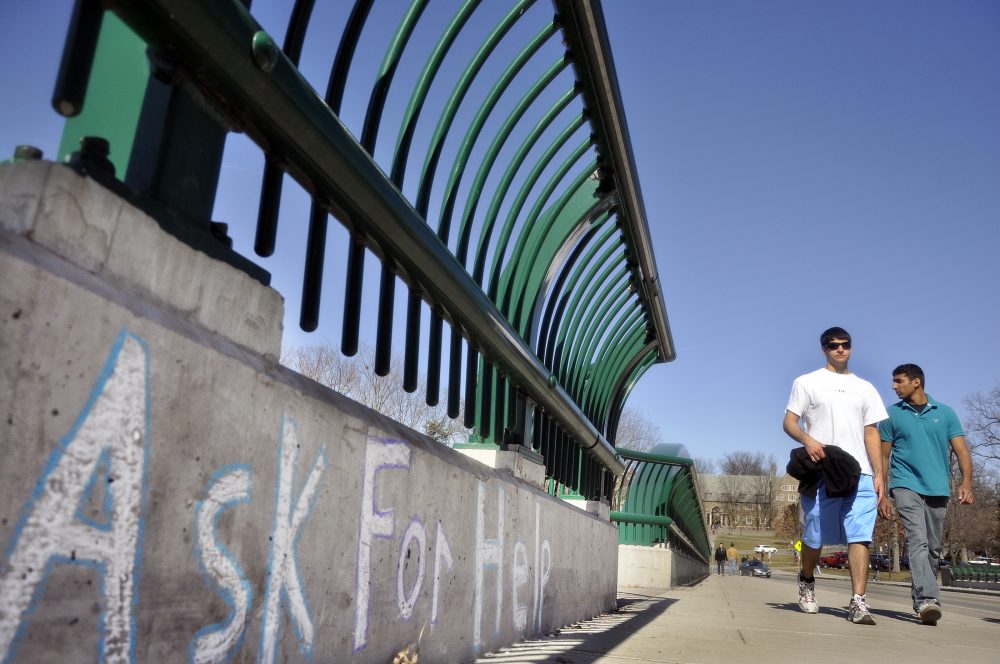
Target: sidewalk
739,620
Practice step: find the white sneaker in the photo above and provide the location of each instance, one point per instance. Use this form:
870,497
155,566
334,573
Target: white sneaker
807,596
858,612
929,612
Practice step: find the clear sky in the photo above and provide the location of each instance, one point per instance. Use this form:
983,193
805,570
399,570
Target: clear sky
804,164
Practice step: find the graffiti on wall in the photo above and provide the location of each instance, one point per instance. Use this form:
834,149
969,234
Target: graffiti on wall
108,442
88,509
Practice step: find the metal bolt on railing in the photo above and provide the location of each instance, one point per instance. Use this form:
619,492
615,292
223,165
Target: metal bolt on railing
26,153
93,155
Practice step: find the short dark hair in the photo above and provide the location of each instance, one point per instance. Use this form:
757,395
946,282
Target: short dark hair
911,371
834,333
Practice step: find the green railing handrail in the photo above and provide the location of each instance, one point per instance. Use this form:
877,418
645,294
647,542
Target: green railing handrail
660,491
587,39
209,40
505,285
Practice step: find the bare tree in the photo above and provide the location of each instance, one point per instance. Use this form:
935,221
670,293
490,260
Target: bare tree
757,482
636,432
974,527
704,465
983,425
760,490
324,364
733,497
746,463
355,377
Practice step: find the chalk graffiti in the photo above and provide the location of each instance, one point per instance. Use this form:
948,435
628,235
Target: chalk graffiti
374,523
489,555
442,553
230,486
284,582
88,506
414,532
107,446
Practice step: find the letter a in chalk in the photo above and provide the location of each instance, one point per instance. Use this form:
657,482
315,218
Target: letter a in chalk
283,571
50,530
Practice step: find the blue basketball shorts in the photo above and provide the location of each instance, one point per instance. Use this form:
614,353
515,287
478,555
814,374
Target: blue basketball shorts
839,520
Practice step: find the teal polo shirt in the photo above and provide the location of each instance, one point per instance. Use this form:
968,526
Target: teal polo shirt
921,443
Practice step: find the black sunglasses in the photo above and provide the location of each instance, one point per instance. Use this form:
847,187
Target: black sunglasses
834,345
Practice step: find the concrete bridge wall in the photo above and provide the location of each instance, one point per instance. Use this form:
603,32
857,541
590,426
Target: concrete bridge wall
169,493
658,566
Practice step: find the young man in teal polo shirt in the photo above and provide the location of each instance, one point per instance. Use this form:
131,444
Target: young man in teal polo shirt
920,435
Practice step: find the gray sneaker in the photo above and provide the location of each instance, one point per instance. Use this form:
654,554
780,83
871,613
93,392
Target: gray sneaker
807,596
929,612
858,612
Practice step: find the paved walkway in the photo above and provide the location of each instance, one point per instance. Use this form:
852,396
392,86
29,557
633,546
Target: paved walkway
742,620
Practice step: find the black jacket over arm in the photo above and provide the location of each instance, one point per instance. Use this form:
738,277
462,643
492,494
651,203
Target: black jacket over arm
839,470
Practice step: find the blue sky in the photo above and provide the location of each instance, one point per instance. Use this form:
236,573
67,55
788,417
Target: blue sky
803,164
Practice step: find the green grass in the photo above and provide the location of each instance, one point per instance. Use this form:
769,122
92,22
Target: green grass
783,559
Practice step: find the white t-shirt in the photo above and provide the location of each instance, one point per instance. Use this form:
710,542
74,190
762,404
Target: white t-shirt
835,408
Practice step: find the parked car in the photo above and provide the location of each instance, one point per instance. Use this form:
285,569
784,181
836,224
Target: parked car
983,560
764,548
755,568
881,562
836,559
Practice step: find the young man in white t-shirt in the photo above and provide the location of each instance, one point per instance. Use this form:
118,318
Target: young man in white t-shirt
838,408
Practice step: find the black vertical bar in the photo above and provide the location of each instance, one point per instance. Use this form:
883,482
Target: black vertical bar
345,54
412,347
271,182
78,58
334,97
486,401
434,332
352,297
455,374
471,378
383,332
267,209
312,279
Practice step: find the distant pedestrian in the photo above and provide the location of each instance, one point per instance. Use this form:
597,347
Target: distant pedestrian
731,555
839,413
917,441
720,560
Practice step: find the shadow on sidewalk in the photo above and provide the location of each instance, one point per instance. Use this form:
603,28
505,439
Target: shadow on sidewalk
588,640
841,612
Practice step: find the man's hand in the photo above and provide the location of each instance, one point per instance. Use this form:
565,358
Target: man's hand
879,483
885,507
965,496
814,448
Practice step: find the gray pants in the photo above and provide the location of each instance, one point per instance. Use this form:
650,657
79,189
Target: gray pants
923,518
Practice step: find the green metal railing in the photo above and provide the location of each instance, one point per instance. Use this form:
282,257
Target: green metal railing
522,225
656,501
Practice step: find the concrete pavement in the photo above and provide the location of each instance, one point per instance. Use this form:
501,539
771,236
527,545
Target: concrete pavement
745,620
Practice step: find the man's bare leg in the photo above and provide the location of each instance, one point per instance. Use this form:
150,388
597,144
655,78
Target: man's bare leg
859,556
810,557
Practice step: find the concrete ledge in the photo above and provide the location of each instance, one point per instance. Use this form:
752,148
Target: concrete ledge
513,461
84,223
657,566
600,509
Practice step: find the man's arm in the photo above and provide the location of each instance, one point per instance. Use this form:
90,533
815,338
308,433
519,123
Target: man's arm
961,450
813,447
884,508
873,444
